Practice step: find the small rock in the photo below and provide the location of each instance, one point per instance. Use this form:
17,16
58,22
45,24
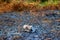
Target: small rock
27,28
36,36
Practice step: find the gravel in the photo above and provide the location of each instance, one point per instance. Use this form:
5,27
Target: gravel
11,26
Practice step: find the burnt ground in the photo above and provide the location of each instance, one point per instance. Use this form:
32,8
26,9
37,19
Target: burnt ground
47,24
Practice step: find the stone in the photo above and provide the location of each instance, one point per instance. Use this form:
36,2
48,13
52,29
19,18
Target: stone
27,28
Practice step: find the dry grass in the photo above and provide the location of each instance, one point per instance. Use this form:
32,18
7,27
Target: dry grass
21,6
5,7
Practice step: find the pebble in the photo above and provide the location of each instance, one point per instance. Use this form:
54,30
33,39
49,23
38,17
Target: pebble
36,36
